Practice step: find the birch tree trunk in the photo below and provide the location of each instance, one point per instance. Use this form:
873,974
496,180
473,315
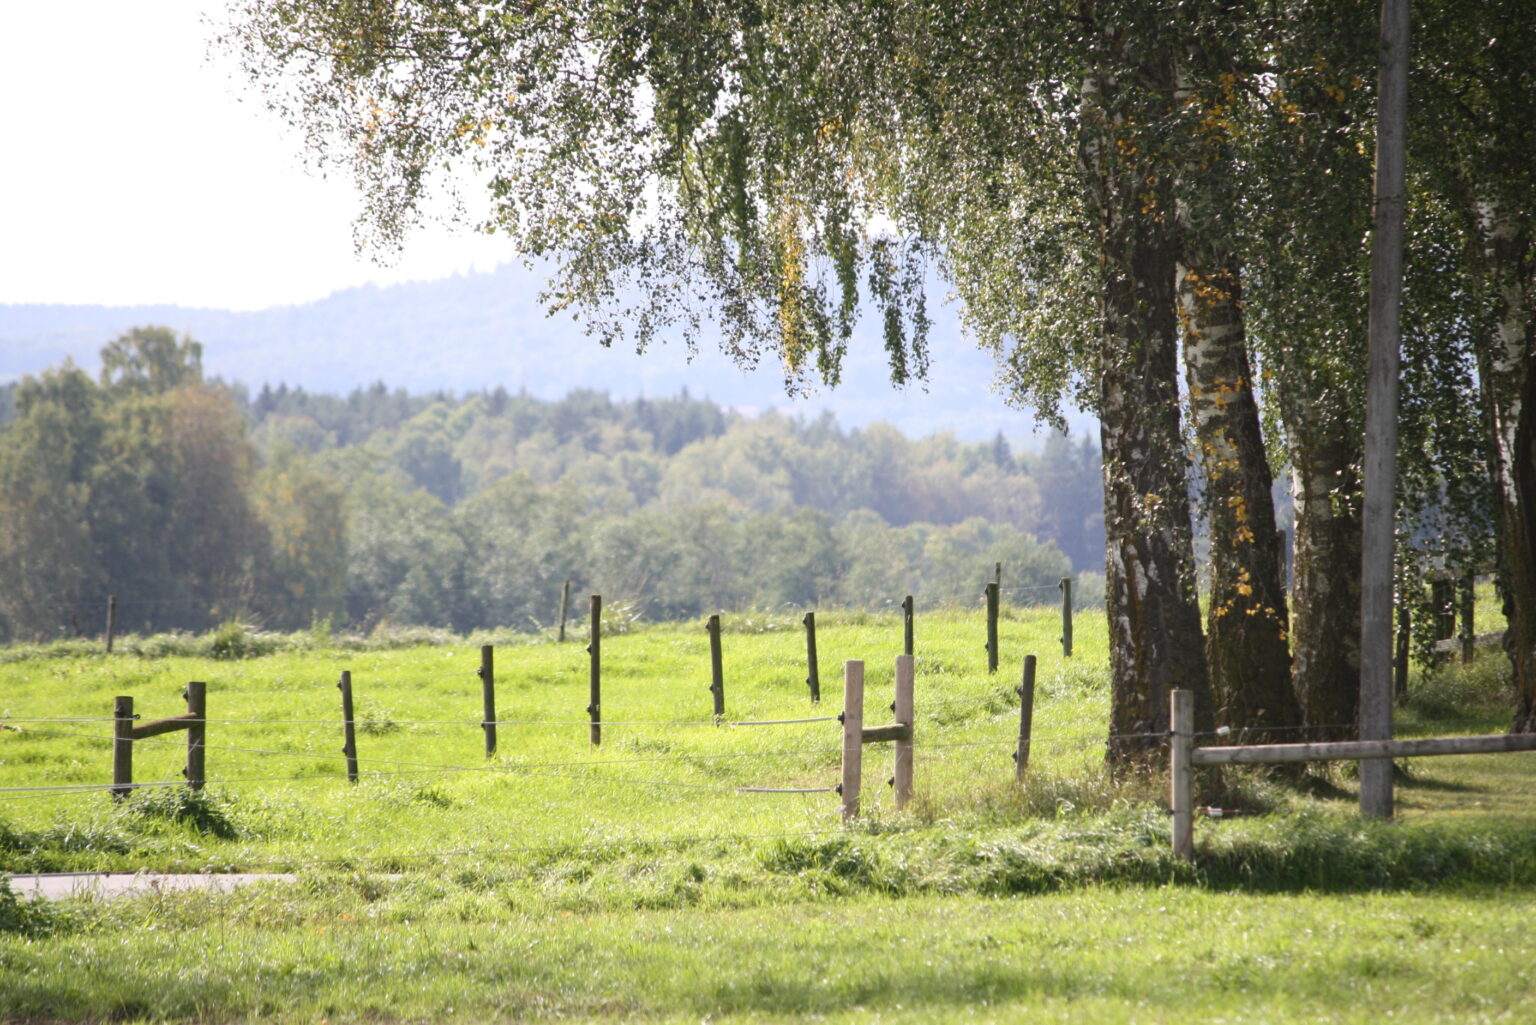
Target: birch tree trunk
1507,367
1325,595
1154,617
1247,622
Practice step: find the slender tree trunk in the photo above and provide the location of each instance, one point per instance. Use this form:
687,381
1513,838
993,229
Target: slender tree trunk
1247,622
1154,616
1507,367
1325,595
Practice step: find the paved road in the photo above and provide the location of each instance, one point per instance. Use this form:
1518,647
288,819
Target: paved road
59,885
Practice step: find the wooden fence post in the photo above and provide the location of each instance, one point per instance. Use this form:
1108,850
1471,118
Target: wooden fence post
1066,616
488,696
992,602
813,678
565,604
111,620
1404,646
1026,719
122,746
348,729
901,779
906,619
1442,600
197,734
595,672
1468,633
997,577
716,668
1181,796
853,737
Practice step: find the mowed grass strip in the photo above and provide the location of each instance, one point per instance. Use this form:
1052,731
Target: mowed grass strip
1102,955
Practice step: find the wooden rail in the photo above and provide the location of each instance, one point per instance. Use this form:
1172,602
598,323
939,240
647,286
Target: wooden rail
125,732
856,734
1185,757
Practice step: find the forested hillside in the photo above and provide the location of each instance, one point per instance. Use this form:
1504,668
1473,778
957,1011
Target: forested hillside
196,502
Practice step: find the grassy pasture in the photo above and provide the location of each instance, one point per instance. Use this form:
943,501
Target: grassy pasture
632,881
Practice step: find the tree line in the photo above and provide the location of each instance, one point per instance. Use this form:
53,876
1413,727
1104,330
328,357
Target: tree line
196,502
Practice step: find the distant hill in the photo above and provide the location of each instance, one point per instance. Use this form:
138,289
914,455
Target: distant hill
475,331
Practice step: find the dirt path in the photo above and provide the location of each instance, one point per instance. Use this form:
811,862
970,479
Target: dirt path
59,885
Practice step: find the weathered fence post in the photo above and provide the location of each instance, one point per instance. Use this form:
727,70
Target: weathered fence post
1181,796
1404,646
1443,601
992,602
901,778
488,696
197,733
997,577
111,620
906,619
716,668
122,746
1468,633
853,737
595,672
813,677
565,604
1066,616
348,727
1026,719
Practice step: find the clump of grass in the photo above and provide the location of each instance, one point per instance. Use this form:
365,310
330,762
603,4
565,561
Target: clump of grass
1451,692
30,919
195,809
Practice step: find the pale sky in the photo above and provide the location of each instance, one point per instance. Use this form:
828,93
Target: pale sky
135,168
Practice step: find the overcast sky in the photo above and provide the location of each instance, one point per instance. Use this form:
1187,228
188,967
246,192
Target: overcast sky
137,169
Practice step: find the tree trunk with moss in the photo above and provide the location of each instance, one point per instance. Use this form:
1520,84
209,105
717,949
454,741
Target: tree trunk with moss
1247,648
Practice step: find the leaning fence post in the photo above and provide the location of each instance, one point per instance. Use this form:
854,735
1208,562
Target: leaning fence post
992,602
488,696
1468,631
122,746
111,620
906,610
565,604
1181,797
813,677
853,737
349,733
595,651
1066,616
902,777
716,668
1026,719
197,733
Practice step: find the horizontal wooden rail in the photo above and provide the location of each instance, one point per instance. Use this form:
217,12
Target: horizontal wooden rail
1353,750
878,734
1184,757
155,727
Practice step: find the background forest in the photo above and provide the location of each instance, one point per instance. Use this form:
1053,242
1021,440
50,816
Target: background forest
196,502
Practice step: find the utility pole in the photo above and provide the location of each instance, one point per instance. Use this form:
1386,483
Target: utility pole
1381,409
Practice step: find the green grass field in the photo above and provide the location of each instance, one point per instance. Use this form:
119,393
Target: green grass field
635,882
